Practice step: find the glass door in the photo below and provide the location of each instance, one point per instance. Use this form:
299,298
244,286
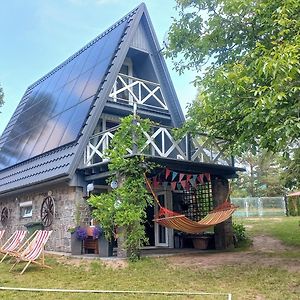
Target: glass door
161,232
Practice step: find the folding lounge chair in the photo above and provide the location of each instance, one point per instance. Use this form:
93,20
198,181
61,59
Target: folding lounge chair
13,243
2,233
33,251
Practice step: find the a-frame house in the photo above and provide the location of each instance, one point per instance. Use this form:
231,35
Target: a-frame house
52,148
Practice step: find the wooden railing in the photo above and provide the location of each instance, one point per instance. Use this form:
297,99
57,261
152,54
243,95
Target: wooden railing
130,89
160,142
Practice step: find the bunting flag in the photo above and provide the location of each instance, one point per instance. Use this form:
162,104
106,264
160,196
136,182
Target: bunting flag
200,178
155,182
188,177
168,172
173,185
181,175
193,181
187,187
174,174
184,184
207,175
179,185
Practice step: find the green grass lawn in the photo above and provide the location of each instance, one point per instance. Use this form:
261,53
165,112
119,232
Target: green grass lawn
244,280
286,229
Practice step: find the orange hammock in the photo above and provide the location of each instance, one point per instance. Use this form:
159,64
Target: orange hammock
171,219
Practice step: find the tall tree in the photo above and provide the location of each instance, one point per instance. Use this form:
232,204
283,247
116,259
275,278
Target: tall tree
249,53
262,176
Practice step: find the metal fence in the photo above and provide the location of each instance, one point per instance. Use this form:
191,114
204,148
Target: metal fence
259,206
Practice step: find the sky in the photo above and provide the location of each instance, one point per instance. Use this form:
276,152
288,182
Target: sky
38,35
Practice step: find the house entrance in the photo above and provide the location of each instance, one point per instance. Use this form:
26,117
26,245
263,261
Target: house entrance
161,232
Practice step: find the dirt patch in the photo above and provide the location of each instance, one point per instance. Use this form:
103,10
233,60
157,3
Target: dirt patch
116,263
86,263
268,244
258,255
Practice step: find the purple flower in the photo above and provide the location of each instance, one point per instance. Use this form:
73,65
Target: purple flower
97,232
81,233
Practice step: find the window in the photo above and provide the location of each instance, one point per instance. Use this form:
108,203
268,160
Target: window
26,209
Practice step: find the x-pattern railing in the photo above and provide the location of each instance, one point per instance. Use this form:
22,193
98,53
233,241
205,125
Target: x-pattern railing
160,142
209,150
130,89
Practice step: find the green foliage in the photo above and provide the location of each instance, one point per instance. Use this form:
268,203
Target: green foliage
125,206
293,206
262,177
249,52
291,166
239,233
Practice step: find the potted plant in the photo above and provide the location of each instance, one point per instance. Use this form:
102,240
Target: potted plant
78,234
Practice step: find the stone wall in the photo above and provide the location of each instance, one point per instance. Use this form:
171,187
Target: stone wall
69,208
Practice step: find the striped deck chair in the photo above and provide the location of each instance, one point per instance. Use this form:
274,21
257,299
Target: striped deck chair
13,243
33,251
1,234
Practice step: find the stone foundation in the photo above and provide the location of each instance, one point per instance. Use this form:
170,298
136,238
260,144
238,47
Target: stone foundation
69,208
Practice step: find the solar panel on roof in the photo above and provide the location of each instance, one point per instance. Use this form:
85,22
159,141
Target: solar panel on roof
55,108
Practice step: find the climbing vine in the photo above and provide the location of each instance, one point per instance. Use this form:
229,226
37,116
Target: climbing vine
124,207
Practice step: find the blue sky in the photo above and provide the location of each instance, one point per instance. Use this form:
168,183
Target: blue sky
37,35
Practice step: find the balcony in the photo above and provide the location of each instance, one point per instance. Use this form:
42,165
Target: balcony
128,89
160,142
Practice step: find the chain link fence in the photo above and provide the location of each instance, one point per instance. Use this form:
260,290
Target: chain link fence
259,206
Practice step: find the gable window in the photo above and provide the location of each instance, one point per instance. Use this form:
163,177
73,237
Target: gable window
26,209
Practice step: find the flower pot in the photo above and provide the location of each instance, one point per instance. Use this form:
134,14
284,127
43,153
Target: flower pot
76,245
201,242
105,247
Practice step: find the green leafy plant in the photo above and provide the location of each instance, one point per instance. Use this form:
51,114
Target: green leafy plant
239,235
124,207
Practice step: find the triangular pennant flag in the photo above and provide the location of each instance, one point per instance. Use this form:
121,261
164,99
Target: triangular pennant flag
155,182
184,183
187,187
200,178
181,175
207,175
165,184
174,174
179,185
173,185
193,181
188,177
168,172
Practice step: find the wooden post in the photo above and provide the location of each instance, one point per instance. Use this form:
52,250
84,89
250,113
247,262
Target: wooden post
223,231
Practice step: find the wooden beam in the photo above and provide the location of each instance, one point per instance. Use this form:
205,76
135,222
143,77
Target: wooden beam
97,176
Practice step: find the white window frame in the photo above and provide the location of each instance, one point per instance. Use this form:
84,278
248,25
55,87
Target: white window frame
26,209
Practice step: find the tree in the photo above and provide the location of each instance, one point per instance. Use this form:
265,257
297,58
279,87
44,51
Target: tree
249,52
262,177
1,96
291,166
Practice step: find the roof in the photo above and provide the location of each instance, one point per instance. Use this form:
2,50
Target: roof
50,128
193,167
